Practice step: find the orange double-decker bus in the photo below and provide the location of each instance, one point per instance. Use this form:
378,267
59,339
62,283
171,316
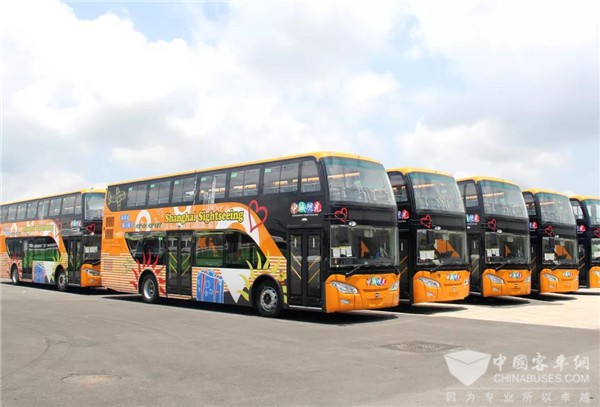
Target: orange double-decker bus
587,215
553,235
315,231
498,236
53,240
432,235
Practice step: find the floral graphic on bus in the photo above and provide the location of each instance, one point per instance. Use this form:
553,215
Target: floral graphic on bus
145,265
267,267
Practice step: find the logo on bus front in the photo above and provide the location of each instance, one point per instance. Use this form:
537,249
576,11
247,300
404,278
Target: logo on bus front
567,274
376,281
453,277
473,218
306,208
515,274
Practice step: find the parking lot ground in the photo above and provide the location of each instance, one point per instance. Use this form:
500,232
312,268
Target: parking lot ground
92,348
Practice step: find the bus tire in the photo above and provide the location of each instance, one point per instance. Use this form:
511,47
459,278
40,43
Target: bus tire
268,300
61,281
149,289
14,275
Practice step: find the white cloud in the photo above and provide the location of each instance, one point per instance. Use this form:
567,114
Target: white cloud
266,79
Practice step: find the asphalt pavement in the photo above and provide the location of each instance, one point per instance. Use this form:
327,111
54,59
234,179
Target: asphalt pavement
93,348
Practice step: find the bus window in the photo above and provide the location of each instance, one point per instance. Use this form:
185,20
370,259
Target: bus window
43,209
32,210
577,210
251,179
3,214
159,193
241,250
399,187
55,207
78,205
310,177
68,206
288,182
211,187
184,190
530,204
471,195
271,180
136,195
209,249
21,211
12,213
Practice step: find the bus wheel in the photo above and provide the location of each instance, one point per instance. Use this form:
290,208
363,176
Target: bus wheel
268,300
61,281
14,276
149,289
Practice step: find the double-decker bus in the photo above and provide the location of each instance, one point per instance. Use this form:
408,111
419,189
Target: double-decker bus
315,231
53,240
553,237
498,236
431,235
587,215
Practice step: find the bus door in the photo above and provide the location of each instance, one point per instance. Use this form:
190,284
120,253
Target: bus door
405,279
74,248
27,259
304,268
583,272
179,264
474,257
533,265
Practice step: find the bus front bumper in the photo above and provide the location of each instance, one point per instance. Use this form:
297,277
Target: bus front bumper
506,282
559,280
440,286
361,291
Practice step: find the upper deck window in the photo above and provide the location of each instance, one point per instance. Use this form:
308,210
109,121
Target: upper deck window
399,187
94,206
593,210
555,208
436,192
352,180
500,198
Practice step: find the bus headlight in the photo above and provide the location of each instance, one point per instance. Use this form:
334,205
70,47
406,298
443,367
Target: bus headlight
551,278
466,281
429,282
495,279
528,279
344,288
395,286
597,273
92,272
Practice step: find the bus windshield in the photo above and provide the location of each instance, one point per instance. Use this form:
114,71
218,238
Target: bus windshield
94,206
593,210
441,247
559,251
436,192
363,245
500,198
556,208
506,248
352,180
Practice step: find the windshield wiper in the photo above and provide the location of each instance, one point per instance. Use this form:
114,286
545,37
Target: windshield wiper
354,270
502,265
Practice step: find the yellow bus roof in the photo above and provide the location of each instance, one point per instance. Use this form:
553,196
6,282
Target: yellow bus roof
478,178
543,191
81,191
407,170
584,197
318,155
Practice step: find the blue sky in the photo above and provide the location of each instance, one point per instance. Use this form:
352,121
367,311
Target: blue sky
99,92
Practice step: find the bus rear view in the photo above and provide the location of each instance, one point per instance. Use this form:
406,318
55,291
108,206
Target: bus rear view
587,215
553,242
432,236
498,236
